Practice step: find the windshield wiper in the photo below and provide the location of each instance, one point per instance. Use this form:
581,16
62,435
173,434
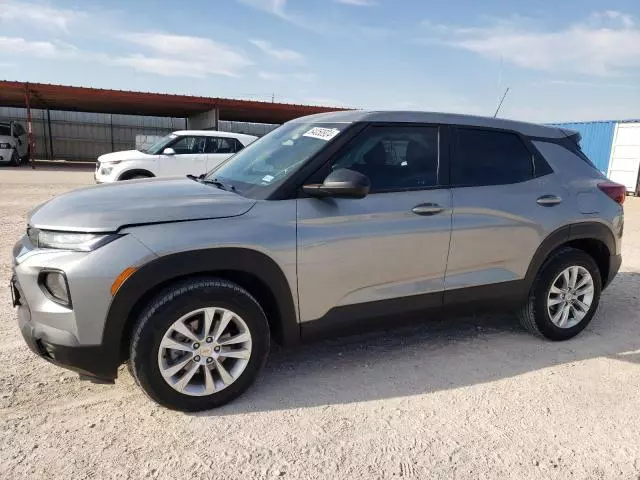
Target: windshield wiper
219,184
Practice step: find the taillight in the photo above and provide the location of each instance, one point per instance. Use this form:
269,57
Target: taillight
615,191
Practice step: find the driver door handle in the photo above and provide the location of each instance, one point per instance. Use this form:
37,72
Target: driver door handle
548,200
427,209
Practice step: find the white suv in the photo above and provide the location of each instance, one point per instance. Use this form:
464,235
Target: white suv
14,143
185,152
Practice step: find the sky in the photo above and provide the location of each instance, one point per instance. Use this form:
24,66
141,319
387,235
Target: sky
562,60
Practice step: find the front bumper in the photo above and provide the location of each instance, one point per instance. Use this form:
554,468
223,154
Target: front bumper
5,155
90,361
73,337
99,177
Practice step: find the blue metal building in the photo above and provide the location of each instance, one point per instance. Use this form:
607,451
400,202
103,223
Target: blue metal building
597,139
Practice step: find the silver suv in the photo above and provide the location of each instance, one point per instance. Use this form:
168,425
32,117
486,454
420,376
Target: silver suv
329,222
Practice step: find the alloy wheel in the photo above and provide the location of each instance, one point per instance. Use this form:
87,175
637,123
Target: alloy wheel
570,297
204,351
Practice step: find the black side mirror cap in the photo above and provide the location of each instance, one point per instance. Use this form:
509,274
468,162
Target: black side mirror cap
341,183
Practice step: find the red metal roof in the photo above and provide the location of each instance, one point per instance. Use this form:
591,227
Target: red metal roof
64,97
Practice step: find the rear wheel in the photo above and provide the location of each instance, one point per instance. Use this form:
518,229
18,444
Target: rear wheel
564,297
199,344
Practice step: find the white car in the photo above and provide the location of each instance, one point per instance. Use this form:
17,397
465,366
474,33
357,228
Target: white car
14,143
185,152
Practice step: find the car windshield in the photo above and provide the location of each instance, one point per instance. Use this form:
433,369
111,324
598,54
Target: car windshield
5,130
160,145
257,170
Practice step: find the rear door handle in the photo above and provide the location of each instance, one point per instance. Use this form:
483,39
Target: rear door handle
427,209
548,200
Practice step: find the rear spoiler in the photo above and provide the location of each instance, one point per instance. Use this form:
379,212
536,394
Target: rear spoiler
572,134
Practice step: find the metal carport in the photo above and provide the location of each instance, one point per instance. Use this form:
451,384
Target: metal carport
84,99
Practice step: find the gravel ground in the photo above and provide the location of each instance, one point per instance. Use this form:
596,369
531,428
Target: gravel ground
470,398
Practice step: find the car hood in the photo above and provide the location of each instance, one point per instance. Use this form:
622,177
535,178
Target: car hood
124,155
109,207
7,139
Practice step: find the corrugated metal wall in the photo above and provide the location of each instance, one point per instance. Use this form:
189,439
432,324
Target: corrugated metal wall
85,136
257,129
597,138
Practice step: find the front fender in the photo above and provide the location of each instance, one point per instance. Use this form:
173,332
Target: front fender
153,276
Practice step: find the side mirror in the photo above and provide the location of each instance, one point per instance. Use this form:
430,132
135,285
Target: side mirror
169,151
341,183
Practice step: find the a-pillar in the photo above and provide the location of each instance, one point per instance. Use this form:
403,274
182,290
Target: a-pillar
204,121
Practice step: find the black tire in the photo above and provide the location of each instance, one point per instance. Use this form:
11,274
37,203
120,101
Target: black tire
534,315
27,157
166,308
15,160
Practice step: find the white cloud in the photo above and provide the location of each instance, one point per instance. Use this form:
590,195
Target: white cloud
613,15
184,56
358,3
32,14
274,7
607,44
299,77
279,54
318,23
41,49
278,9
581,83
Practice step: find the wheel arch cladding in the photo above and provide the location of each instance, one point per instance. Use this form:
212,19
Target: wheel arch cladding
254,271
591,237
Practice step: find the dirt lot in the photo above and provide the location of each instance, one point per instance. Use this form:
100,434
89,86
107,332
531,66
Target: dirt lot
471,398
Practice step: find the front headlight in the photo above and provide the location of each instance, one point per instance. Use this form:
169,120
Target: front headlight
106,170
5,146
82,242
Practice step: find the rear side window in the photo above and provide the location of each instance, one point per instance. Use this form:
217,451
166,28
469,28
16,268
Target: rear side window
572,144
489,157
222,145
238,145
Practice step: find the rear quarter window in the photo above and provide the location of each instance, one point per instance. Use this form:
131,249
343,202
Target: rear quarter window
489,157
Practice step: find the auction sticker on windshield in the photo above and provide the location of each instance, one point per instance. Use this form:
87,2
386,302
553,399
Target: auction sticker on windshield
322,133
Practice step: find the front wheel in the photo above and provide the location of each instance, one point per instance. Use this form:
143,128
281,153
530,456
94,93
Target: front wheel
199,344
564,297
15,159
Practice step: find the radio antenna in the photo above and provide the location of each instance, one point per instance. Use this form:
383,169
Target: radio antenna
501,100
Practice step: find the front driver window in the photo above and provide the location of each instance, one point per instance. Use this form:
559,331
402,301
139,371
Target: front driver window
394,158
